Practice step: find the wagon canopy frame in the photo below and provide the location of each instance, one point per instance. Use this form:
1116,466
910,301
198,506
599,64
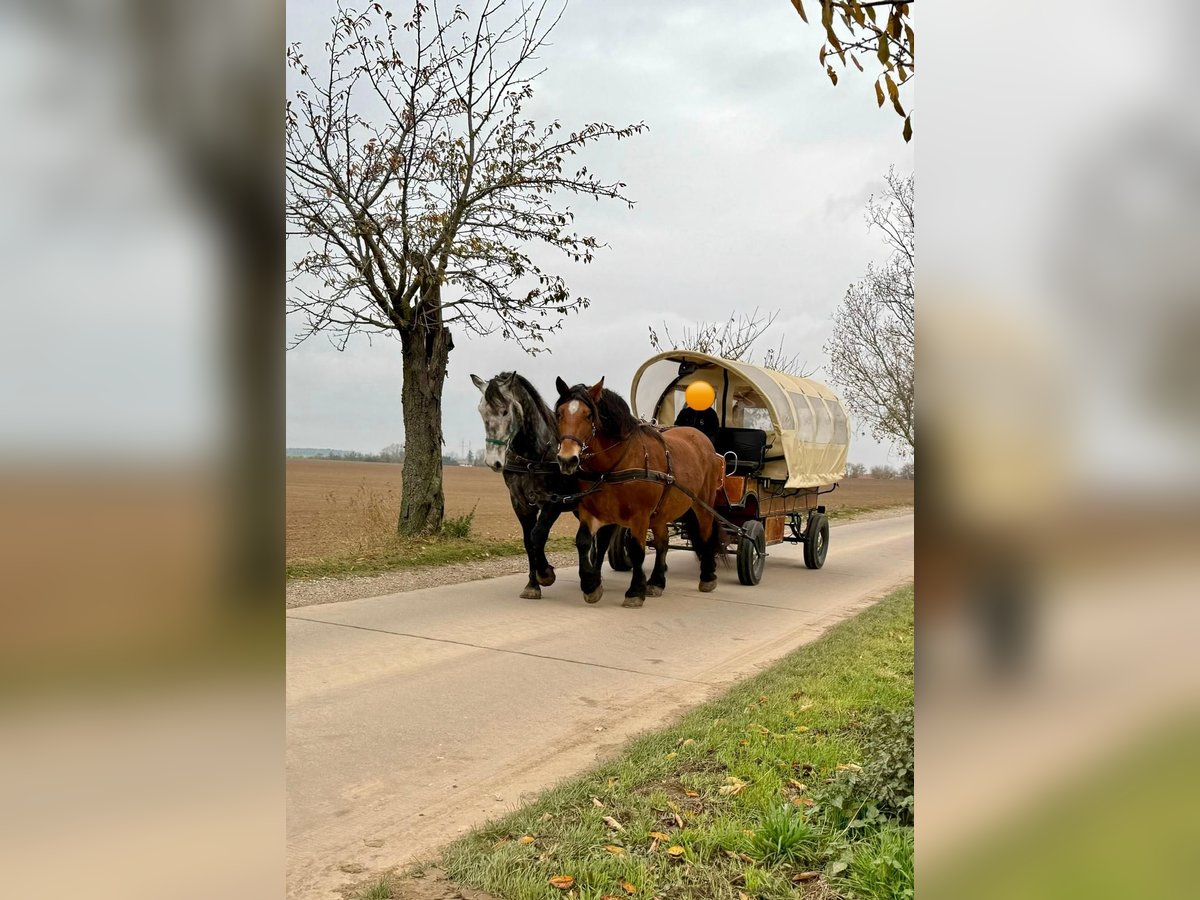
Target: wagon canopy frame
808,430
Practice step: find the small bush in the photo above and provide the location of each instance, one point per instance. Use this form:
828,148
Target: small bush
882,788
783,837
459,526
881,867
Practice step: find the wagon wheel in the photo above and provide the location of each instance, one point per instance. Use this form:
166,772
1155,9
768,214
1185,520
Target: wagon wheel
618,553
752,553
816,541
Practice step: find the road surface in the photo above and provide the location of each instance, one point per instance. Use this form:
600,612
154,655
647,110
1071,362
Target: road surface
415,716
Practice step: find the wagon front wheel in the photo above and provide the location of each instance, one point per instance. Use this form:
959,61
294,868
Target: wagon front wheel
816,541
618,553
751,553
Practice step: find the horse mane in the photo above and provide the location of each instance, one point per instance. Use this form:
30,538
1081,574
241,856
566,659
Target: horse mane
533,407
612,412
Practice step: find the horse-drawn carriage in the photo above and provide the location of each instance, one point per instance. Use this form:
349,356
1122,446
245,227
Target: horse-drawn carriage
635,482
784,440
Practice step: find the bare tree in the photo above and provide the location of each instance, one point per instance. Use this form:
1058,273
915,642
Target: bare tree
908,471
855,470
883,473
872,347
882,31
734,338
420,189
392,453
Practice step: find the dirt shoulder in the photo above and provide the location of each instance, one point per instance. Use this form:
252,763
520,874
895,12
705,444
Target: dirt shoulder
310,592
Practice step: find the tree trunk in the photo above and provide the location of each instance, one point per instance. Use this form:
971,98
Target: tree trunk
426,348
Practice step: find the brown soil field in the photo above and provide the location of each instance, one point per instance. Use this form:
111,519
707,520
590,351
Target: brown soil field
334,507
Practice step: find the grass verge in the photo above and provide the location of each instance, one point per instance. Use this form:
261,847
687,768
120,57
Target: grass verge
407,554
796,783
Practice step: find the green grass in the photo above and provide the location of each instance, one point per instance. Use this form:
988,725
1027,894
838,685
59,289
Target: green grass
413,552
381,889
728,801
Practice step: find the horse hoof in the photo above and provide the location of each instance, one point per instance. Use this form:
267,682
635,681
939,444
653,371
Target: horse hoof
594,596
707,587
653,590
531,593
545,579
634,602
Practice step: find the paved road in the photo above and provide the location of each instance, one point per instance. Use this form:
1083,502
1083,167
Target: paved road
414,716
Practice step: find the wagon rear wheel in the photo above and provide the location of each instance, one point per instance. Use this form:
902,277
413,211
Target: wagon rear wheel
816,541
752,553
618,554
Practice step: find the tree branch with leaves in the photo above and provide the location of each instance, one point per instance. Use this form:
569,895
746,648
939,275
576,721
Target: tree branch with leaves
423,198
881,31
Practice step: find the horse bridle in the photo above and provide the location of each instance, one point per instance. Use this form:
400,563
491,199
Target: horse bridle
583,445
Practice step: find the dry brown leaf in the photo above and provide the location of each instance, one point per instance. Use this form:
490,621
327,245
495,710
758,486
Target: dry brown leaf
849,767
672,755
613,823
808,801
678,820
676,851
546,817
563,882
734,787
805,876
742,895
614,849
797,785
690,742
527,839
692,793
596,803
654,846
629,888
659,836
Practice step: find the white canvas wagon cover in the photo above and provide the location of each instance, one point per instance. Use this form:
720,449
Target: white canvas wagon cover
808,432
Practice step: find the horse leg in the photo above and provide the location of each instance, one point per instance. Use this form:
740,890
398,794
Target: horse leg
636,595
708,551
528,519
658,578
547,516
589,567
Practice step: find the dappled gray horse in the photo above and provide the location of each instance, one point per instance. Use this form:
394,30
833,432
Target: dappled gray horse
522,442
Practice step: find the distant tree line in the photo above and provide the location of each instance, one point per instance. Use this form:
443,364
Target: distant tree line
906,472
393,453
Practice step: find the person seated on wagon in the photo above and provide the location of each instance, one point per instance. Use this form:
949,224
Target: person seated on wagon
698,412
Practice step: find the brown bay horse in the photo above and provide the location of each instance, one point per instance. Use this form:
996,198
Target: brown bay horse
600,439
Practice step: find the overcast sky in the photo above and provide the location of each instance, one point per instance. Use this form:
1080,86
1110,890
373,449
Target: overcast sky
750,188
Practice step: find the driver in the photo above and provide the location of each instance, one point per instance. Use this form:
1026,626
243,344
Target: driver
698,413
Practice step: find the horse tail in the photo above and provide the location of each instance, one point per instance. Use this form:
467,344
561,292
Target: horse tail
699,544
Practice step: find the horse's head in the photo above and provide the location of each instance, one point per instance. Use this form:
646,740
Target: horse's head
578,422
501,414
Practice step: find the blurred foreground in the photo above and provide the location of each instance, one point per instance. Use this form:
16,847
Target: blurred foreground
141,655
1058,692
